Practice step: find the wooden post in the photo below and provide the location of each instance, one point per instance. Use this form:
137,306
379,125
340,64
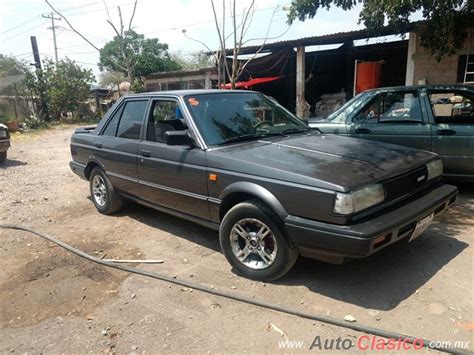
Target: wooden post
410,73
300,81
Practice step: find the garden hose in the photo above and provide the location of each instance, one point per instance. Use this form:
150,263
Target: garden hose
245,299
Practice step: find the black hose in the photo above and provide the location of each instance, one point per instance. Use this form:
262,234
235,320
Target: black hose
248,300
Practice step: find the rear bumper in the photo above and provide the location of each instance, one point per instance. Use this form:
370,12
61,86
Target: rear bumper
78,169
335,243
4,145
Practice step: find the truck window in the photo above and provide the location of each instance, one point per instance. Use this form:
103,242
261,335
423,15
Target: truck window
455,107
391,107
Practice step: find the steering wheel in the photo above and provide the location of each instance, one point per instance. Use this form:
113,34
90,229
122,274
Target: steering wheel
262,123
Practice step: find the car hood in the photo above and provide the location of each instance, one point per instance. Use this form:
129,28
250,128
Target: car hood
324,161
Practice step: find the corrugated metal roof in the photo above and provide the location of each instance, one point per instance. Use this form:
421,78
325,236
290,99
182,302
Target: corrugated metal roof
333,38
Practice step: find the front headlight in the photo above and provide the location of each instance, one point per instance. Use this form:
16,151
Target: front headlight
358,200
435,168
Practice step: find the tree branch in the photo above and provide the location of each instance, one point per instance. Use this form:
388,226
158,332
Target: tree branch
133,15
72,28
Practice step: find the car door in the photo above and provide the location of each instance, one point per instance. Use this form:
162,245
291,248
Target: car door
116,146
453,130
171,176
395,117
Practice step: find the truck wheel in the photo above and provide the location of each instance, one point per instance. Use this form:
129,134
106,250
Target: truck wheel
3,157
104,196
252,239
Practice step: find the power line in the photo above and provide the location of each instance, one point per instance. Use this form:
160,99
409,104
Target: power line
21,33
33,19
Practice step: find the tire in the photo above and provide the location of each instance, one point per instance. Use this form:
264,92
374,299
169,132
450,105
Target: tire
3,157
253,241
106,199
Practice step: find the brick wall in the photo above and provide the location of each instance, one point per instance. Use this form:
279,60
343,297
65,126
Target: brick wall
443,72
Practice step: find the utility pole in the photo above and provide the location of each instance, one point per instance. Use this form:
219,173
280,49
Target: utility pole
53,28
44,112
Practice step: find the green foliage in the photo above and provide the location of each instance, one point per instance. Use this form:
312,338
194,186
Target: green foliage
442,32
12,72
136,56
64,86
194,61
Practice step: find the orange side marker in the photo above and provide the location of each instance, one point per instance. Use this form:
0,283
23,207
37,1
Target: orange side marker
213,177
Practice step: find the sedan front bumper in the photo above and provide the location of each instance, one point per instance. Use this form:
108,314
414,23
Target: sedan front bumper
335,243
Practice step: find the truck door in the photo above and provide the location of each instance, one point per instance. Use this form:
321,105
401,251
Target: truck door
393,117
453,130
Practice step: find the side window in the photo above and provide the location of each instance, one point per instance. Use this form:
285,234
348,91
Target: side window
455,107
391,107
112,125
165,115
131,120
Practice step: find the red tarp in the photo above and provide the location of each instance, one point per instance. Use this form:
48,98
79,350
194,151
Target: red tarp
251,82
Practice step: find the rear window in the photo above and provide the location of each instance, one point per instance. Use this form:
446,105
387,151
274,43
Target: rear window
456,107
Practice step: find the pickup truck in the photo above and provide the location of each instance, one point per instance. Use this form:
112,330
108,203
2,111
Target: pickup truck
239,163
437,118
4,142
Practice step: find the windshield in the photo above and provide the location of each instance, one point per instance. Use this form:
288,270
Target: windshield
229,117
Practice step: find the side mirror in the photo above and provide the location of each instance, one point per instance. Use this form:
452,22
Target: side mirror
179,138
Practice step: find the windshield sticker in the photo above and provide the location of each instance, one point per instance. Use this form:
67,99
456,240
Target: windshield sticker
193,101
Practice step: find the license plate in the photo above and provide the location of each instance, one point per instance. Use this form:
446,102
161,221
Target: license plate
421,226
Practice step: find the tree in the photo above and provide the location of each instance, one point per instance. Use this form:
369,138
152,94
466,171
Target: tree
194,61
136,56
66,86
443,29
239,30
12,73
128,52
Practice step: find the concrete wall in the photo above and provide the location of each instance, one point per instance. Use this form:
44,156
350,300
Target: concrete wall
425,66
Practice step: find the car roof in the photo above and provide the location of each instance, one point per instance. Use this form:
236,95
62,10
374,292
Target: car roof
188,92
440,87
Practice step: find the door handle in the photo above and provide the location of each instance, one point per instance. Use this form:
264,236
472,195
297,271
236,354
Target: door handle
362,130
145,153
445,132
98,145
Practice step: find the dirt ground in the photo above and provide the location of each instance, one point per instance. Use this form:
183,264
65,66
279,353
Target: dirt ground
55,302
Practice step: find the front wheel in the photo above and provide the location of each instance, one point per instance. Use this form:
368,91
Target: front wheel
253,242
106,199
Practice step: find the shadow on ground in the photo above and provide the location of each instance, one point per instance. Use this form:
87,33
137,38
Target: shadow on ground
11,163
380,281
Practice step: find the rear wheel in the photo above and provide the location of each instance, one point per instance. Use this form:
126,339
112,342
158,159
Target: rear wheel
3,157
106,199
252,239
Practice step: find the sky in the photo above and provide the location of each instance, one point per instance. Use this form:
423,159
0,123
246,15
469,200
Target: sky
165,20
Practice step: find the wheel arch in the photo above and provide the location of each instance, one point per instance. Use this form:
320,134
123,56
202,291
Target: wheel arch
90,166
244,191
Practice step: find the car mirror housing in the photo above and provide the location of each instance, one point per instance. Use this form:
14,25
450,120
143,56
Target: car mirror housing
179,138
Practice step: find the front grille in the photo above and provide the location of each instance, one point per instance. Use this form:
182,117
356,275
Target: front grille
405,184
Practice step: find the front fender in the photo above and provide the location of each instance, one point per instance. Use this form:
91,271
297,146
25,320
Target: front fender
259,192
